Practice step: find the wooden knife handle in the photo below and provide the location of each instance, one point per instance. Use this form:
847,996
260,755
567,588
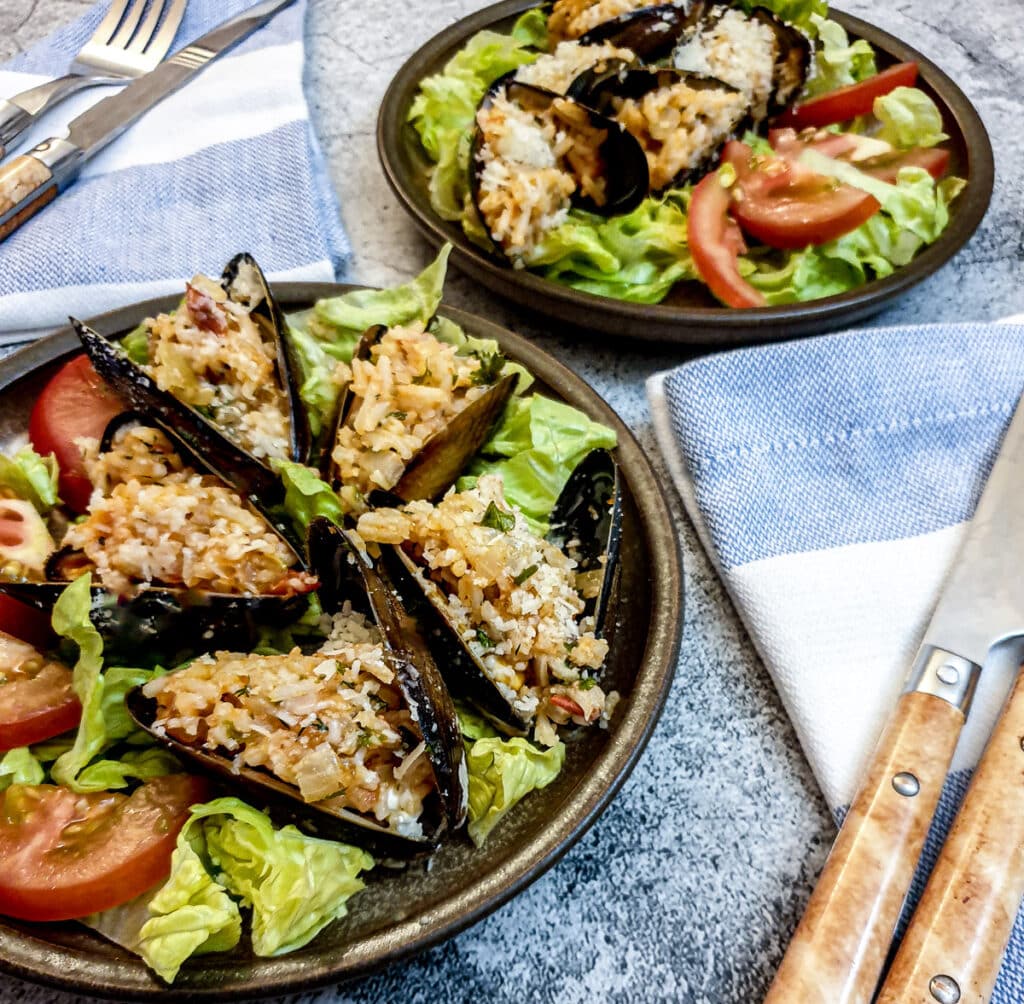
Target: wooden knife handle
26,185
840,945
955,944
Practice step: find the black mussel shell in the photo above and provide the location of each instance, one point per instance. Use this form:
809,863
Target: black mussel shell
347,575
238,279
636,82
651,32
627,179
198,437
586,523
792,59
169,625
440,461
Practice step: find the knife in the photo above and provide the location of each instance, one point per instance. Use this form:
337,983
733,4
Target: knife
841,943
32,181
956,941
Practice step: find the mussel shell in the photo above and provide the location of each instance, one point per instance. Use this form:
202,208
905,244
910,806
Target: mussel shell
586,522
442,458
169,625
587,516
627,178
651,32
792,63
636,82
288,370
199,438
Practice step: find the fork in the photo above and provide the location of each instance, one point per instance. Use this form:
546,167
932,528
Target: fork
125,45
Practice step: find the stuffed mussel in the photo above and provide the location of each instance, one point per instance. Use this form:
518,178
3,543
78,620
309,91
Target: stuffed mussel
651,30
413,411
177,556
517,614
536,154
357,741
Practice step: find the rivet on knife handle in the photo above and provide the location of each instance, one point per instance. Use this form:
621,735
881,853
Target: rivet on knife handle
956,940
839,948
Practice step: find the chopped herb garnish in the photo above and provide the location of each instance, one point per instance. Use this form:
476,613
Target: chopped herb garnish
319,725
525,574
491,365
423,377
570,645
400,415
378,702
588,683
497,519
368,738
484,639
241,692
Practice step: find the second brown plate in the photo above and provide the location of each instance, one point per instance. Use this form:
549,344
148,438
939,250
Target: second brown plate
689,314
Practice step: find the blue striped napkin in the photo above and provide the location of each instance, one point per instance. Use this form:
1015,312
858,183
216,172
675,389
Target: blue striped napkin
229,163
831,481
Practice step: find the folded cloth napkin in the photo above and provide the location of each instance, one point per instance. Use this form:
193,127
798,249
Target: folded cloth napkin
831,481
229,163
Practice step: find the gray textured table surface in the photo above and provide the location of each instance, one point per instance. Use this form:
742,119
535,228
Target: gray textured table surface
709,853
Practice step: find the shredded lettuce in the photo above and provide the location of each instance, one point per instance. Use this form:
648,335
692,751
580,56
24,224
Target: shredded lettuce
20,766
31,477
837,61
535,448
909,118
501,773
637,256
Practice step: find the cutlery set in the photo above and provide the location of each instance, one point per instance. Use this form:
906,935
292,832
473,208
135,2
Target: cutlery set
953,948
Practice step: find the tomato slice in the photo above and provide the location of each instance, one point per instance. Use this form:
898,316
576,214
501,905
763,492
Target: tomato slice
848,102
25,622
75,403
37,701
786,205
68,855
934,160
716,242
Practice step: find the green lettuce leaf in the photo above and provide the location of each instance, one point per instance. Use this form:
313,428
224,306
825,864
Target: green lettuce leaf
20,766
501,773
31,477
136,344
295,885
837,61
472,724
306,496
446,330
535,448
796,12
131,765
71,621
532,29
637,257
191,914
318,390
909,118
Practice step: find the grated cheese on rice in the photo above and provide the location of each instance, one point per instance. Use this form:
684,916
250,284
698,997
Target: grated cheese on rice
556,71
570,19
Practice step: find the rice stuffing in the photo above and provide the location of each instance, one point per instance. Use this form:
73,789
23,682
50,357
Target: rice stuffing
679,126
407,391
213,354
513,597
534,159
334,723
556,71
570,19
737,49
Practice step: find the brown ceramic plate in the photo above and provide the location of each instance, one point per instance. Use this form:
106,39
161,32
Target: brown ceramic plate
689,314
399,914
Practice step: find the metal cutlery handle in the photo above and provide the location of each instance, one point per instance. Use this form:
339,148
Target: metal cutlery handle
956,940
17,114
32,181
839,948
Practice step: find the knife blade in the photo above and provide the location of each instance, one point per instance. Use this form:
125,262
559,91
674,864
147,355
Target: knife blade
32,181
840,945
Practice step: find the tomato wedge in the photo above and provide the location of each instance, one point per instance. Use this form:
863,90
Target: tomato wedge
37,701
25,622
786,205
716,242
848,102
75,403
934,160
67,855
